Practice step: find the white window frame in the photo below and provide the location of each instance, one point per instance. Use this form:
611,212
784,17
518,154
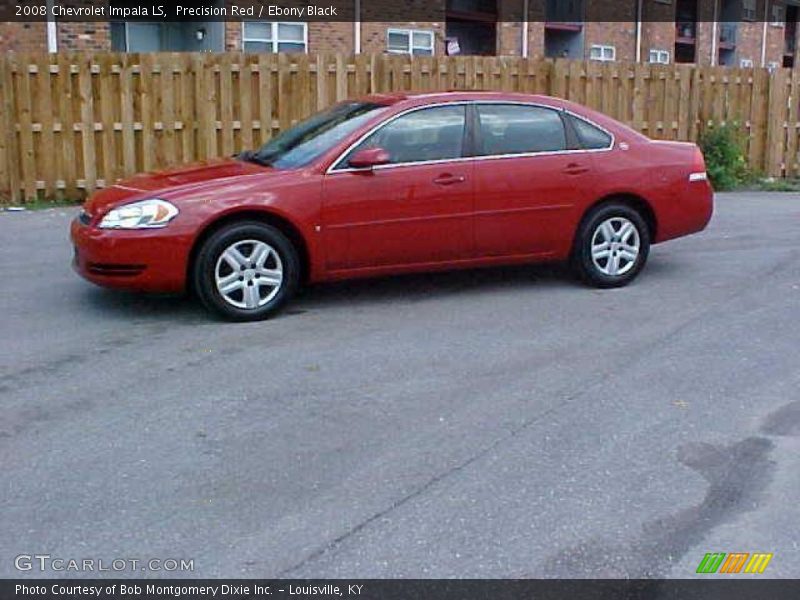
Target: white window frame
410,33
603,48
275,28
745,63
660,54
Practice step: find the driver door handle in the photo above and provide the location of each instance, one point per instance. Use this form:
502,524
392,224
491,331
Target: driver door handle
449,179
575,169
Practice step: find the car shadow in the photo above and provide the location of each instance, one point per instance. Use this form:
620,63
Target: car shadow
420,287
398,288
168,307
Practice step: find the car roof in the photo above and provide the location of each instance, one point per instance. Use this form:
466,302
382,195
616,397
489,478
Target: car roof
412,99
458,96
404,100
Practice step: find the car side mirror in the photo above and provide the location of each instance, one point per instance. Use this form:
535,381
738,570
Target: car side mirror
369,158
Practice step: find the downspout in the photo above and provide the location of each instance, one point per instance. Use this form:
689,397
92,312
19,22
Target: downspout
714,34
52,33
639,16
357,27
764,36
525,28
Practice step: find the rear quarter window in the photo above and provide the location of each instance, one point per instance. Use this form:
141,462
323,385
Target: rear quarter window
590,136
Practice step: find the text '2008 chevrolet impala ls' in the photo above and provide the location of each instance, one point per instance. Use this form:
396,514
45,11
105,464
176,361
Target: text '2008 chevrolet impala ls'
396,184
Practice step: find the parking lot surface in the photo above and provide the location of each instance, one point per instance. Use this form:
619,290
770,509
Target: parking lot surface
492,423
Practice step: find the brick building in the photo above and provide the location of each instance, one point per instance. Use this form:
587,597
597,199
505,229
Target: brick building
707,32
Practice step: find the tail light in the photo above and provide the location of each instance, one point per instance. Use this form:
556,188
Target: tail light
698,172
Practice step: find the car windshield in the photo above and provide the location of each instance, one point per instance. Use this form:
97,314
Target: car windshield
310,139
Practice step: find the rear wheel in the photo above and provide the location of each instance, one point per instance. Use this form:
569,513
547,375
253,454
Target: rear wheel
246,271
612,246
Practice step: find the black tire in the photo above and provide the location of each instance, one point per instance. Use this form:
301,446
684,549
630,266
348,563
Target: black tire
205,271
595,273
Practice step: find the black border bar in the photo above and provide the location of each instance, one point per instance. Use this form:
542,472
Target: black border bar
714,588
552,11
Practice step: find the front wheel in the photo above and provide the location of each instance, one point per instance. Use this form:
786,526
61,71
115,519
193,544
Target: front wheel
612,246
246,271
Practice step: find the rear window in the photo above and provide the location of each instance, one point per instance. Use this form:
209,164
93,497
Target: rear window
590,137
519,129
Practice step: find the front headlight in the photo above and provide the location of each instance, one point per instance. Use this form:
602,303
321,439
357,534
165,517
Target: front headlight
145,214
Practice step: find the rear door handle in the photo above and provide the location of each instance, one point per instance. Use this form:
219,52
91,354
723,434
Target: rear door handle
449,179
575,169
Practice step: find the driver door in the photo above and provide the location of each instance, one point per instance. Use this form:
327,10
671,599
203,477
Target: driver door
416,210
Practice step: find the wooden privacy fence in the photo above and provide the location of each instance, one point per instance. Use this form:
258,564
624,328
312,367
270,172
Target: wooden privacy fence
70,123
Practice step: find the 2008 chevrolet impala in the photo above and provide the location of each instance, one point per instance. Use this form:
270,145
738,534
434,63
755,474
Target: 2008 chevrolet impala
398,183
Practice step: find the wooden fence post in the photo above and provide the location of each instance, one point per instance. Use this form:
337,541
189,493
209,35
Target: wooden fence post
776,123
83,120
9,180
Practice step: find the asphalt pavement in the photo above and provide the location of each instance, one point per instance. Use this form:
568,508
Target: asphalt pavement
491,423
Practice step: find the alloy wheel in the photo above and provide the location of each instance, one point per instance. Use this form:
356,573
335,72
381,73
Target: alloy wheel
615,246
248,274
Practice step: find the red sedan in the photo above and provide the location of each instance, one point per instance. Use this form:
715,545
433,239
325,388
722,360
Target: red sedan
396,184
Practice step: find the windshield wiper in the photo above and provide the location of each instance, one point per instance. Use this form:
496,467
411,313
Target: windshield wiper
253,157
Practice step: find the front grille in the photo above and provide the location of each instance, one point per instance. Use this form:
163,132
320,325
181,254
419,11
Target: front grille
109,270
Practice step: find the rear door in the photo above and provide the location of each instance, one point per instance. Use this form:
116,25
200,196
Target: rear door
529,180
415,210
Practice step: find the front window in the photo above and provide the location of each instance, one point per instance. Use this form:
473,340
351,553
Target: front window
305,142
410,41
518,129
274,36
422,135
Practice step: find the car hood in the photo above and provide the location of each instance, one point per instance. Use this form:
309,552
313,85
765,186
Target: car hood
175,184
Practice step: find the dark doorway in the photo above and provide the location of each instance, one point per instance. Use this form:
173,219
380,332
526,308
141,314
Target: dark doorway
471,27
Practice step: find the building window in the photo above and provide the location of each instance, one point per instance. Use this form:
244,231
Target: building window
603,53
746,63
660,57
778,15
274,36
748,10
410,41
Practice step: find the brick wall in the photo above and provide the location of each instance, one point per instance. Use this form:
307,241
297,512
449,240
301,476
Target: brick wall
775,43
331,37
620,35
373,35
658,33
658,30
233,36
23,37
93,37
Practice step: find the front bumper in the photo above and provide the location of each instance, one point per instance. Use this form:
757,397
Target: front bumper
153,260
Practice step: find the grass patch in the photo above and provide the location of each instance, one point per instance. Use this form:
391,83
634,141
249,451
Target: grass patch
779,185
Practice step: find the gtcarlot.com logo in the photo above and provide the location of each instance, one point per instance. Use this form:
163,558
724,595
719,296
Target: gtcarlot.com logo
46,562
735,562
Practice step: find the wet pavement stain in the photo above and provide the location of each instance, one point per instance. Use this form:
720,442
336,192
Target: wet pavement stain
736,475
784,421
